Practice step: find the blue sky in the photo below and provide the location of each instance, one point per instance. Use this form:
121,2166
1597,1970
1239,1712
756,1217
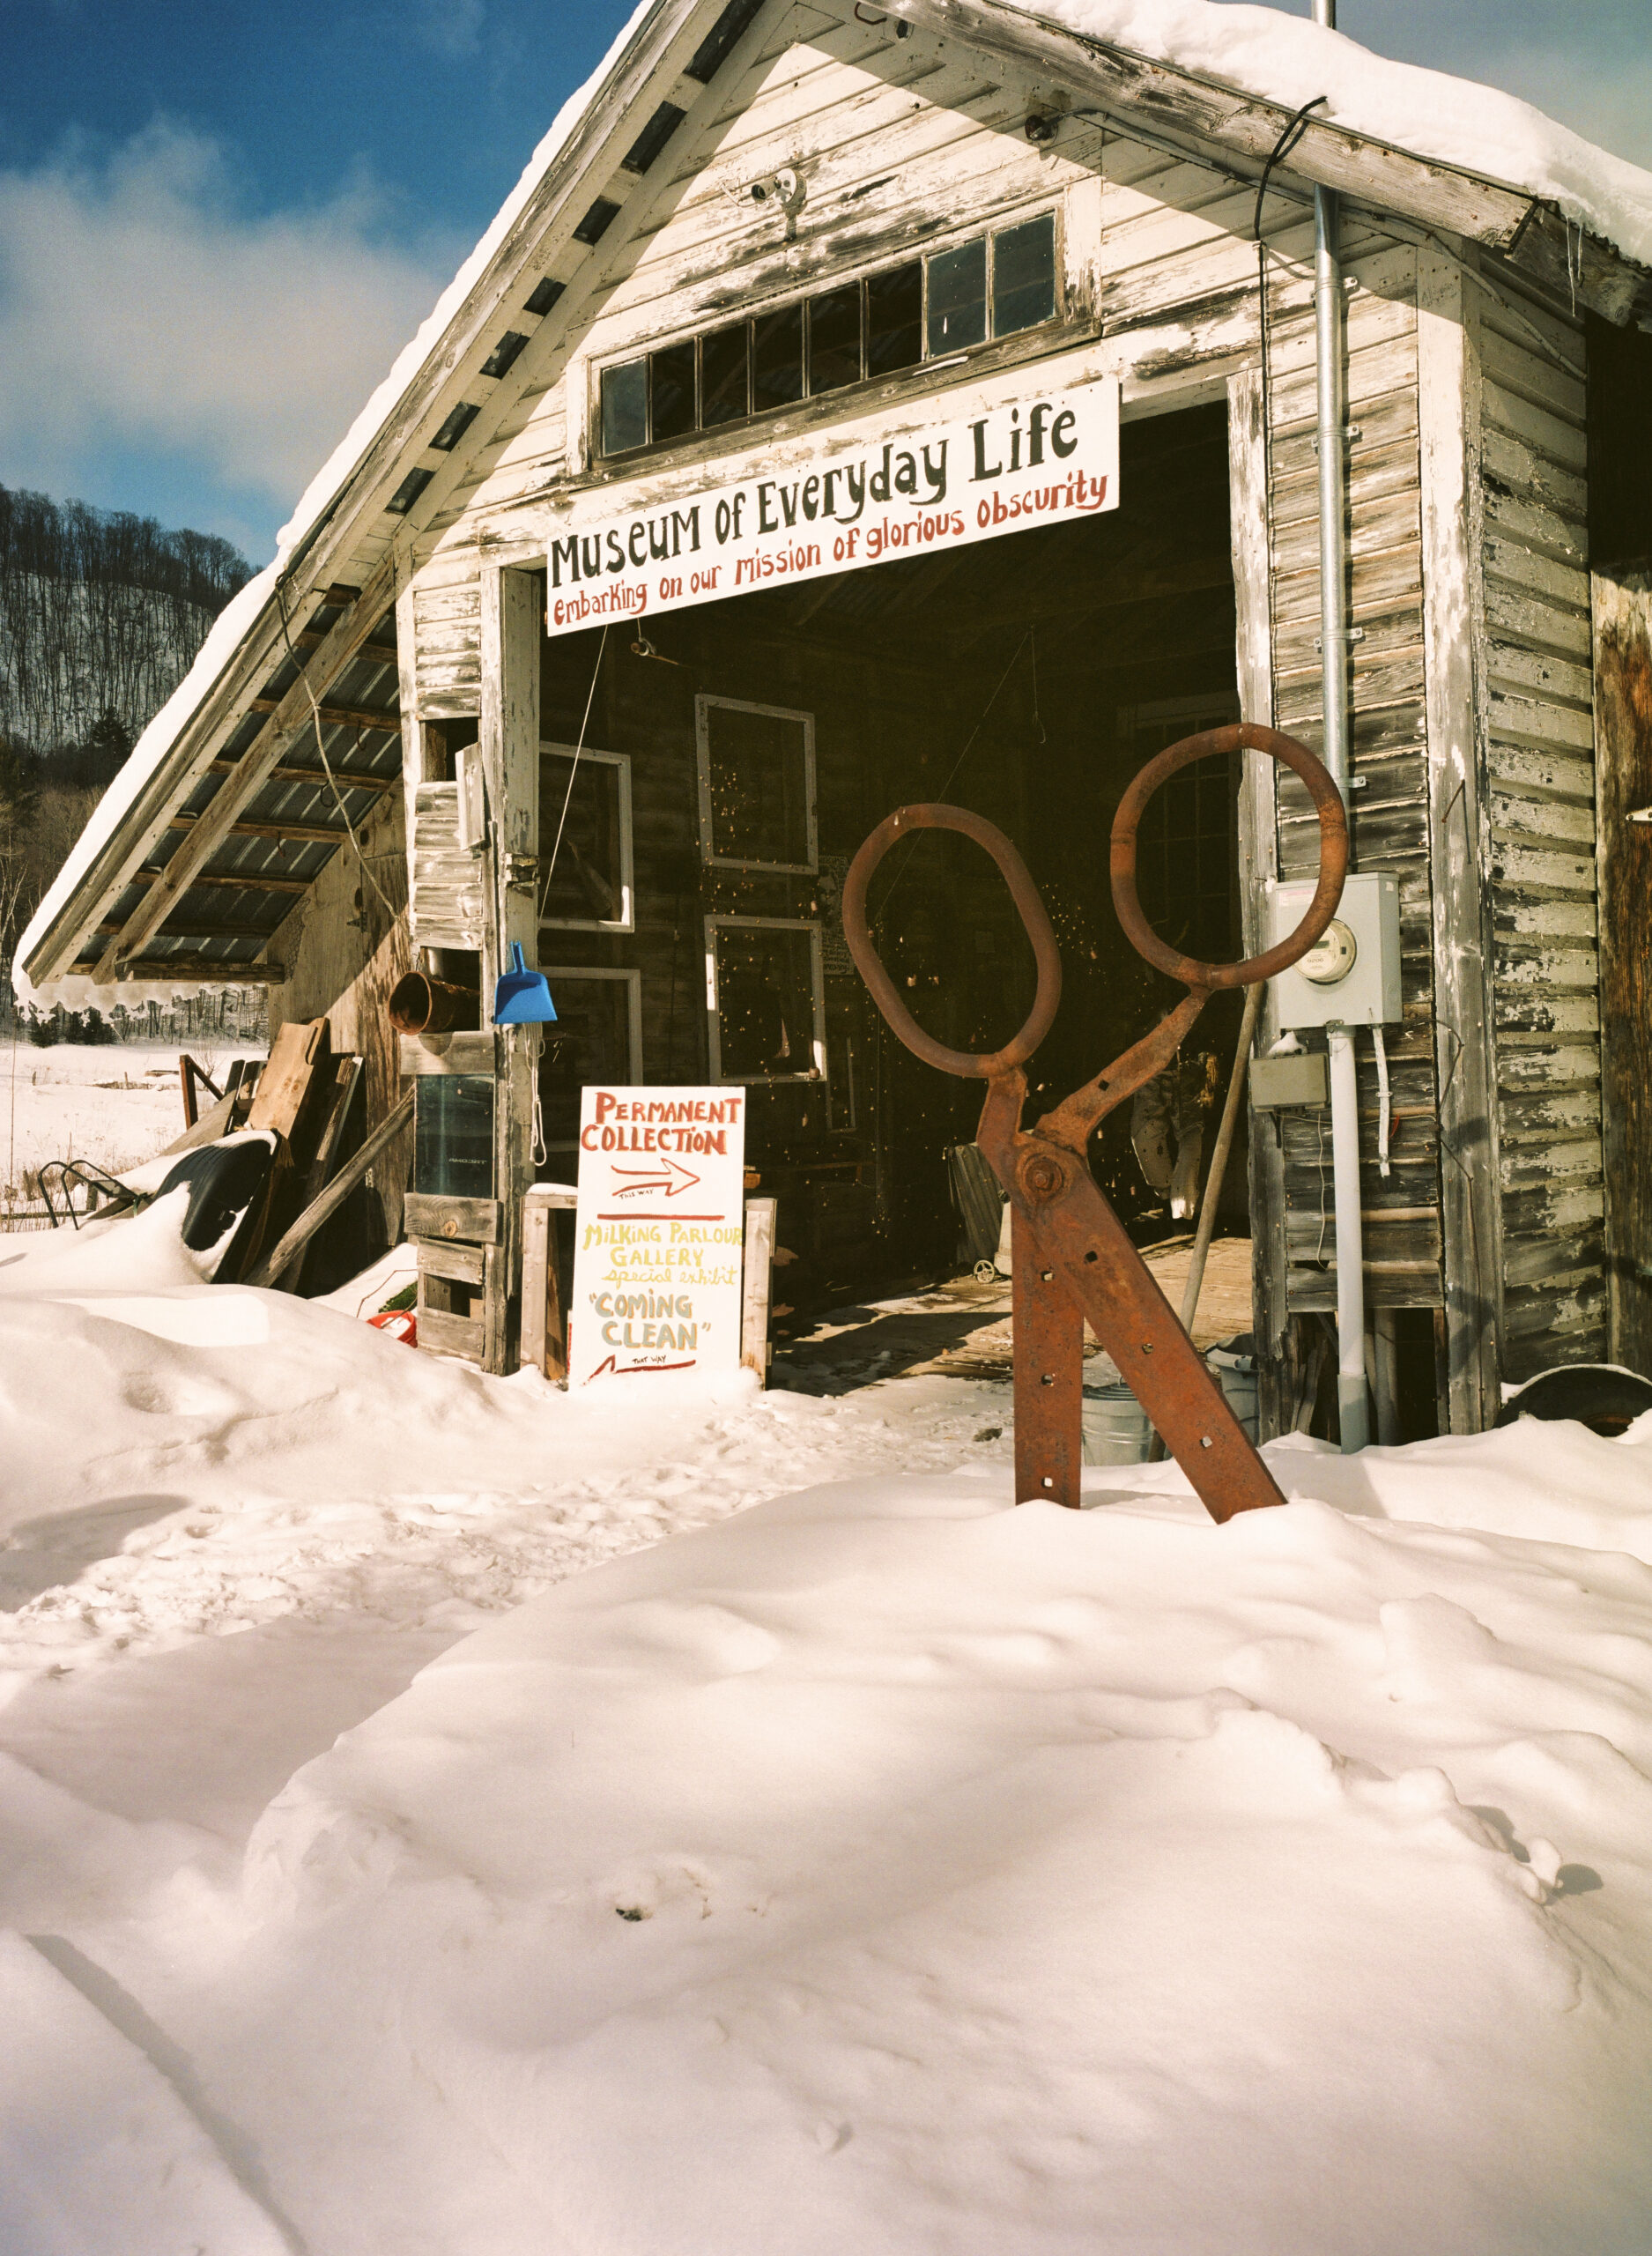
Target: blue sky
217,225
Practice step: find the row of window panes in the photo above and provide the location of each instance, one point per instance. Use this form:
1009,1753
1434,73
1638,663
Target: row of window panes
993,286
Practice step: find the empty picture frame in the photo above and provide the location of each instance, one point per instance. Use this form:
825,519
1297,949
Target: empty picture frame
757,786
588,884
599,1019
764,999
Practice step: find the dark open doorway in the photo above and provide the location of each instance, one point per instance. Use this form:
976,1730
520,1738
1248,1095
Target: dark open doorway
754,742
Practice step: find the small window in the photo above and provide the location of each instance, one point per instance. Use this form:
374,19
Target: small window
894,320
653,138
671,392
589,802
598,1045
624,407
835,338
1024,276
504,354
757,804
958,297
455,425
777,359
764,998
725,376
408,490
713,51
453,1135
596,222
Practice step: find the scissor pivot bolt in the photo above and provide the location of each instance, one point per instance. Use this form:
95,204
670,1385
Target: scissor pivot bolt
1204,1440
1042,1176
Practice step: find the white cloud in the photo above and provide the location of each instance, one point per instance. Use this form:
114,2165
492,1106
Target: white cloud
141,307
449,27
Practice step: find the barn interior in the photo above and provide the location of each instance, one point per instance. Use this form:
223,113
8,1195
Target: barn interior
732,757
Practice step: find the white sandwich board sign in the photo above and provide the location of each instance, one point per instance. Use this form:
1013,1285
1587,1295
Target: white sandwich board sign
659,1230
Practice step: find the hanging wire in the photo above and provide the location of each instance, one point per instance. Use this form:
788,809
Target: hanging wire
390,910
981,724
568,795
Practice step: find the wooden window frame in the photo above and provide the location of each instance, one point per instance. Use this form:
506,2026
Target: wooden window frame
621,762
584,375
703,704
817,1072
632,979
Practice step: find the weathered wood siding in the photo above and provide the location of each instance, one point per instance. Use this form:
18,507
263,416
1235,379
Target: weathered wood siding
1388,761
1537,825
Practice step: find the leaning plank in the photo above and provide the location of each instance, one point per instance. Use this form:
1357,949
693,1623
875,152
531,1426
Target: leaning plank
335,1195
295,1059
759,1272
346,1075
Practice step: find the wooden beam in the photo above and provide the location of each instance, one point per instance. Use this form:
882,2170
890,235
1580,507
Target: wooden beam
226,884
512,631
344,716
253,771
350,779
208,932
199,971
303,834
384,654
295,1239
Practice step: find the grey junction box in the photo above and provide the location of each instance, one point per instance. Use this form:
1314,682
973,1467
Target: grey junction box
1300,1077
1352,975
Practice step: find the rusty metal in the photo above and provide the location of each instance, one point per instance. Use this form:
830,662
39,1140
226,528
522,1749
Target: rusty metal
1073,1261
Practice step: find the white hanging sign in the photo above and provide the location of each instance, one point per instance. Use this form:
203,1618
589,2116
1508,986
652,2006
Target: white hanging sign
659,1232
1038,446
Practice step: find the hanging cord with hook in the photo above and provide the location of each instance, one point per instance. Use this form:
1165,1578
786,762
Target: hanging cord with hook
536,1060
390,910
568,795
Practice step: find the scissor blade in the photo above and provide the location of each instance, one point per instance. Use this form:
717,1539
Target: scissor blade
1049,1376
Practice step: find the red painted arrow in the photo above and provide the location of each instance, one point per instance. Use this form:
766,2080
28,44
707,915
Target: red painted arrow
637,1180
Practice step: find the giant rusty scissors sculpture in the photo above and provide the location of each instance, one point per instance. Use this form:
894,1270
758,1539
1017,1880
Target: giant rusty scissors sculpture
1072,1258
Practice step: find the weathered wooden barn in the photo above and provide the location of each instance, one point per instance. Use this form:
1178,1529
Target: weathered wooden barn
776,224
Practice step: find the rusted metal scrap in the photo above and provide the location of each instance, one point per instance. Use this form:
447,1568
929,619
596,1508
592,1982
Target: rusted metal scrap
1072,1257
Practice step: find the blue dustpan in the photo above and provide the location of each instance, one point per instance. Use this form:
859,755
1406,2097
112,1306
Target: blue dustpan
523,997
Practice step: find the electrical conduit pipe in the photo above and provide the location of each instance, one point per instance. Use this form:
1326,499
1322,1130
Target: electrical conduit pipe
1331,417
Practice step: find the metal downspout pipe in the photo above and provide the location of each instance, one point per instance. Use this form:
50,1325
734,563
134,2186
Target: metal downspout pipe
1332,407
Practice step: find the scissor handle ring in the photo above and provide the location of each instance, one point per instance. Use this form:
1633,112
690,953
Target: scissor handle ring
1333,855
967,1063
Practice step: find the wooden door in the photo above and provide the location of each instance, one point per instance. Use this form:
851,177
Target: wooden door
1623,737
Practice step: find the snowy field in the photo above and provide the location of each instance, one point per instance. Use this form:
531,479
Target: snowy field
115,1104
750,1836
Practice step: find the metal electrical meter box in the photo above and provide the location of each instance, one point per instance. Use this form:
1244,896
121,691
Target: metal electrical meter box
1351,974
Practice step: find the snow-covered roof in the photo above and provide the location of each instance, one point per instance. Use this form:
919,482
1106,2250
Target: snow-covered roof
1288,61
1236,58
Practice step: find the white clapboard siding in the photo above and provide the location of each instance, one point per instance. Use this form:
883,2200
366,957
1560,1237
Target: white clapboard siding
449,906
